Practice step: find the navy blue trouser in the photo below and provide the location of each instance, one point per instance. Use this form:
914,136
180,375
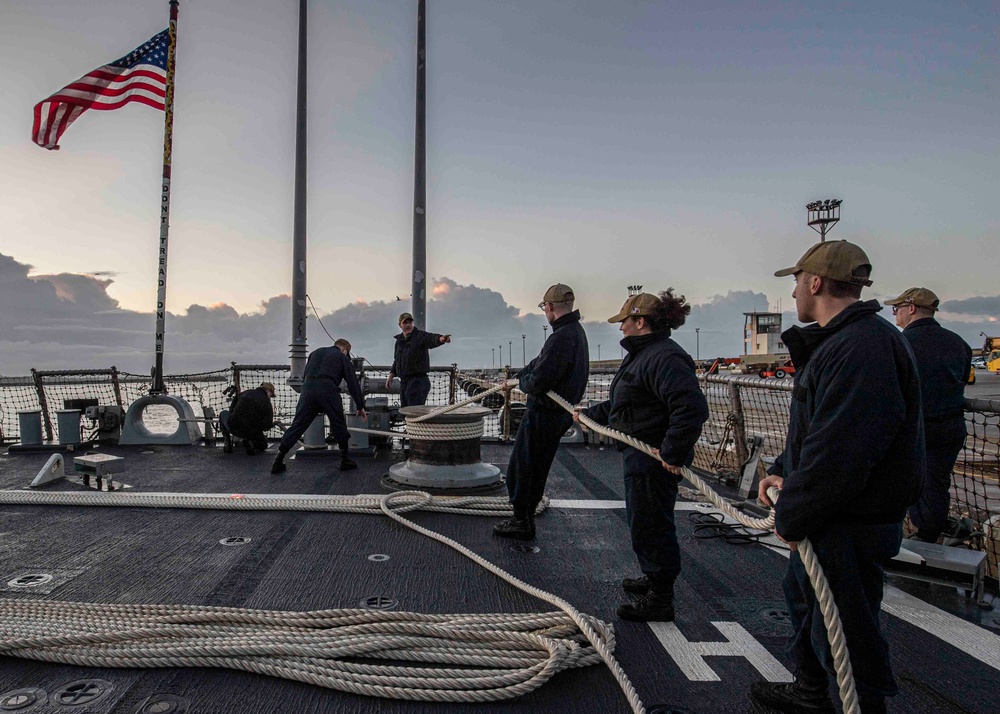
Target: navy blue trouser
258,438
944,440
413,391
319,397
650,494
534,450
853,557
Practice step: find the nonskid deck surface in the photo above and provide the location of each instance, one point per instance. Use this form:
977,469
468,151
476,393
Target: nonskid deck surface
312,561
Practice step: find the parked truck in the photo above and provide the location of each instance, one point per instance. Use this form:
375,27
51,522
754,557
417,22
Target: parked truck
991,353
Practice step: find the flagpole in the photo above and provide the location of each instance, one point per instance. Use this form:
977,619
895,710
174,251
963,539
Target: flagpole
299,346
168,133
419,294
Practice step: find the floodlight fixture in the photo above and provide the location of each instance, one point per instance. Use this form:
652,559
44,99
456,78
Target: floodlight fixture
634,290
823,215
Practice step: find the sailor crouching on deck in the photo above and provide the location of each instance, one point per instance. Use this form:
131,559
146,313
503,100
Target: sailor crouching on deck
325,369
654,397
853,461
249,417
411,361
563,367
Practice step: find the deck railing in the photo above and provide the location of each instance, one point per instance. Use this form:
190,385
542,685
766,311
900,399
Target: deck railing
742,409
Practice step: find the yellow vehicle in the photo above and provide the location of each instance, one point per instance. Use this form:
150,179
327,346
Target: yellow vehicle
991,353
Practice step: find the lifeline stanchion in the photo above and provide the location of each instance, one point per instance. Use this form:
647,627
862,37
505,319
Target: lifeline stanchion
831,615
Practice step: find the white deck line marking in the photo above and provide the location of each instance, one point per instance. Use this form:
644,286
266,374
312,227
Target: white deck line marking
974,641
578,503
606,505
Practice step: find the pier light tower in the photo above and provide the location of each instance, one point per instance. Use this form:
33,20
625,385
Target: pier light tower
634,290
823,216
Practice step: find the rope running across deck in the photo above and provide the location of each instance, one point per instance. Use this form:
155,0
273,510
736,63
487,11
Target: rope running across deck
831,615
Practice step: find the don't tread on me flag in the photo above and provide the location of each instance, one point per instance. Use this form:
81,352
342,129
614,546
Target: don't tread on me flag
139,76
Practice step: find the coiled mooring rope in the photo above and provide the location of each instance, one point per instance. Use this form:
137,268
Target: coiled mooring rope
831,615
519,652
489,657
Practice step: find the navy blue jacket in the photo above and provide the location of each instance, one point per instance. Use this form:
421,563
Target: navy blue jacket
655,397
329,364
855,446
562,366
943,360
251,413
411,356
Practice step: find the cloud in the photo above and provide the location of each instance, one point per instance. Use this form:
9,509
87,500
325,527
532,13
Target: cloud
68,321
986,306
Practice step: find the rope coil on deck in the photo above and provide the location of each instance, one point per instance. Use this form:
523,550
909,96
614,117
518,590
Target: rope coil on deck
519,652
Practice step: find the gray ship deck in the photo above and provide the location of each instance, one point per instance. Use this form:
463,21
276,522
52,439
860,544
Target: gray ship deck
311,561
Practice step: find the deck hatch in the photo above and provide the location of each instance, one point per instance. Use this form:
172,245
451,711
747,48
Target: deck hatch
235,540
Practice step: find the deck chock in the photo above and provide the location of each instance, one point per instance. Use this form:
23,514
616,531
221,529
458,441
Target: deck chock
136,433
54,469
942,564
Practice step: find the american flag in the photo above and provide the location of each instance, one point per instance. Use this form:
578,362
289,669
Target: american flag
139,76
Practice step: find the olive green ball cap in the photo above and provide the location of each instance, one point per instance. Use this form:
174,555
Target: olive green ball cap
641,305
836,260
921,297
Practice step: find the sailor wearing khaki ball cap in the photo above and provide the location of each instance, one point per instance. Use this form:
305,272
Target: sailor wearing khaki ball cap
943,360
654,397
563,367
853,462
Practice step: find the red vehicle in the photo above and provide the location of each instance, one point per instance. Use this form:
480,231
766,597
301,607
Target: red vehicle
786,369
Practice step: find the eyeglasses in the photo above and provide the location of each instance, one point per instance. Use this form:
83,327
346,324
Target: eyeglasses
895,308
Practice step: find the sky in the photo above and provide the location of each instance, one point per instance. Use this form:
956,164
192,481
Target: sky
597,144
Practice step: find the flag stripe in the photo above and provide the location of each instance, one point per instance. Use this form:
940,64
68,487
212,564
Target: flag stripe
139,77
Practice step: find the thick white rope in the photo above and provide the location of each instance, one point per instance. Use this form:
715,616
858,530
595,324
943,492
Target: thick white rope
831,615
305,646
416,429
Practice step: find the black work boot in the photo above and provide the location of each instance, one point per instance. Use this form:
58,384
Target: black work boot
227,443
279,462
803,696
346,463
657,605
248,446
520,527
636,586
